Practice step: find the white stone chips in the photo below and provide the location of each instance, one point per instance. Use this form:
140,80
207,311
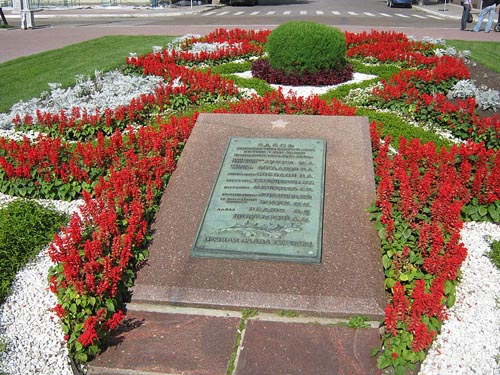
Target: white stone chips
469,342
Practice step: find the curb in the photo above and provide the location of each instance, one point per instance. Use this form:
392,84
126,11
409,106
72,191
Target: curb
440,13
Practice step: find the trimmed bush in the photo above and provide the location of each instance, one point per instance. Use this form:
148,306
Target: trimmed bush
25,228
306,47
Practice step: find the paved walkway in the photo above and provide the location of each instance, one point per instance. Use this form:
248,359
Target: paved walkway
17,42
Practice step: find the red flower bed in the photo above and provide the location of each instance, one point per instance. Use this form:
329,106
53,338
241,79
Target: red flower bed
387,46
421,94
276,103
421,193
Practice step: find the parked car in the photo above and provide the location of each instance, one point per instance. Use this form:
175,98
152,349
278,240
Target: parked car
400,3
240,2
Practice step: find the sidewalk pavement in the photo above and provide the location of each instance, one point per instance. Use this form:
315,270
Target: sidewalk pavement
453,11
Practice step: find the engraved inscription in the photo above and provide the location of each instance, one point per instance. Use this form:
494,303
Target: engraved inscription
267,202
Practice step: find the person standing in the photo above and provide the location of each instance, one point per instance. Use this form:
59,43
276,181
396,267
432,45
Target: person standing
489,7
465,13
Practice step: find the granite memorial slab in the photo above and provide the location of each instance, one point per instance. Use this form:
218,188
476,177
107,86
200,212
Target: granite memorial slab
344,279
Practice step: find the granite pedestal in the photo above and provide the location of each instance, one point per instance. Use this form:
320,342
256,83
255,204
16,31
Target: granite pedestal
349,279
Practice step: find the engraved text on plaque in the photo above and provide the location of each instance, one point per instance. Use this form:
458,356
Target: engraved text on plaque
267,202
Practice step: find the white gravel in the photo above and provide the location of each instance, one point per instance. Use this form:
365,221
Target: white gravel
469,342
35,343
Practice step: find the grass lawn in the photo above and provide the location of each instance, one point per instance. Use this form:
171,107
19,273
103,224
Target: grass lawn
485,53
27,77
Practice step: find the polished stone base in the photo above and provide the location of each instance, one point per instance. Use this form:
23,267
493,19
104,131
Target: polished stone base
349,279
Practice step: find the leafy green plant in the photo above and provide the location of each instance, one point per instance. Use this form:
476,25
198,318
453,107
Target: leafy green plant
25,228
343,90
3,348
232,67
494,254
249,313
397,127
315,47
481,212
357,321
385,71
259,85
288,314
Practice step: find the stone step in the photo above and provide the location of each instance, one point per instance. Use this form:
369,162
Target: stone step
163,343
175,341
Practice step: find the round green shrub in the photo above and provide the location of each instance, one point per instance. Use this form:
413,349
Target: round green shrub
301,46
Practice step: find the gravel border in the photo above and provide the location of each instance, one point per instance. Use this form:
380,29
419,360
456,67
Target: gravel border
469,342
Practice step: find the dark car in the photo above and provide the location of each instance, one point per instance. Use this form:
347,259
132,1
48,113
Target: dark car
240,2
399,3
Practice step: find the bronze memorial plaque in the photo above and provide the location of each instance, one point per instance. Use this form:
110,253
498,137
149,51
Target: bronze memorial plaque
267,202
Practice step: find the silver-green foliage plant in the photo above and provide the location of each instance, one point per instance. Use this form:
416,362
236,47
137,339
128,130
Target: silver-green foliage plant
105,90
488,99
453,52
431,40
463,89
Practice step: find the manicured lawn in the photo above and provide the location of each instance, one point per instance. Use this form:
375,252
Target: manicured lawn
25,227
27,77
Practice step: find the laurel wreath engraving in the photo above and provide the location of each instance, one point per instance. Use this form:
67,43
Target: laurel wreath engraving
271,230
